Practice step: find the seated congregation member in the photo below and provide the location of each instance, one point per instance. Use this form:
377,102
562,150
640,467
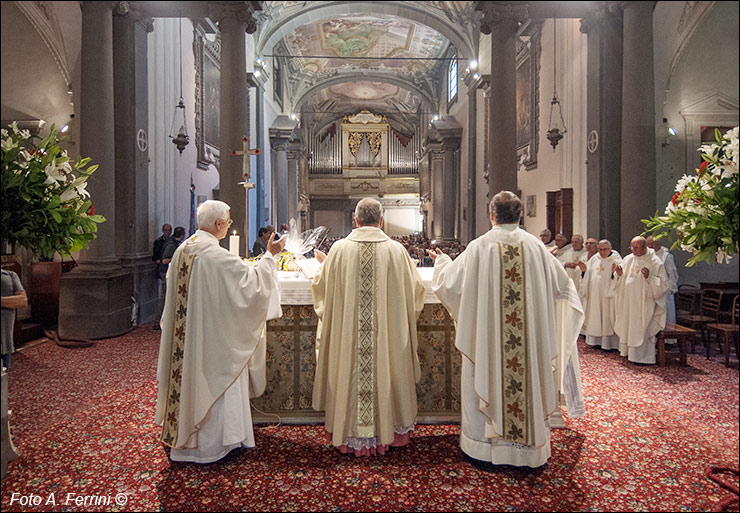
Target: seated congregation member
260,243
641,285
517,314
368,296
212,351
597,295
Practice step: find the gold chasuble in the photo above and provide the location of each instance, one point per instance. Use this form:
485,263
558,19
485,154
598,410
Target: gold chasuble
172,408
368,296
517,319
516,382
366,333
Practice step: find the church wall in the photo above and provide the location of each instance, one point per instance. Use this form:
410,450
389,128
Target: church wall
169,172
706,67
566,166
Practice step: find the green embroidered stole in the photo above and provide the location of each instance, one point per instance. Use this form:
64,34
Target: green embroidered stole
172,411
366,334
514,349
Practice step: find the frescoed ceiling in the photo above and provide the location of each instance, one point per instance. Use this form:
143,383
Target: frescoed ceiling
366,42
342,57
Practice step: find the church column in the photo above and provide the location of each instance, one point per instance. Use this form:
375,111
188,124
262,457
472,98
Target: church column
471,206
259,142
90,302
604,120
450,146
638,119
281,135
436,163
294,152
97,131
233,20
501,21
132,158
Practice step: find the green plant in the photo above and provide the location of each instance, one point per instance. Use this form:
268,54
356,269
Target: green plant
704,210
45,206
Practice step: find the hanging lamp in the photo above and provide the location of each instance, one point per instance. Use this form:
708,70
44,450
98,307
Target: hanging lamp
554,130
181,139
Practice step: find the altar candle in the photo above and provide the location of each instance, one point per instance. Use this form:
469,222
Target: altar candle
234,244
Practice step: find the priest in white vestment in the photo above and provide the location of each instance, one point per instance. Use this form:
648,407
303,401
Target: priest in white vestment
546,238
213,346
368,296
575,255
517,319
670,268
597,294
561,248
641,285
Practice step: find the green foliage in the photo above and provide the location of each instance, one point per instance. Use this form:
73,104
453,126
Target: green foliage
704,213
45,207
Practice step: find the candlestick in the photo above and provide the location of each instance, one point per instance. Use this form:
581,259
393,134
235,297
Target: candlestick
234,244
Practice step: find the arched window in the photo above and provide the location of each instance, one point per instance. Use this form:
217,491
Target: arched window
452,80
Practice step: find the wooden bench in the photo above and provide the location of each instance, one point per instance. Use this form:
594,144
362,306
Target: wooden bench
678,332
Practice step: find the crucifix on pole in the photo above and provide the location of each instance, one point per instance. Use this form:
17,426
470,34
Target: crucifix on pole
246,153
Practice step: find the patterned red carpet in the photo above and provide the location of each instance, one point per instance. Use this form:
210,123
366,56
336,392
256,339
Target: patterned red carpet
83,423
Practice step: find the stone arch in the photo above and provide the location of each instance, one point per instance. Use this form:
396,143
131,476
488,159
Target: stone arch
426,100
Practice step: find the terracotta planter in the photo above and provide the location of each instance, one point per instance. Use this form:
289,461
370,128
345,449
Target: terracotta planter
44,292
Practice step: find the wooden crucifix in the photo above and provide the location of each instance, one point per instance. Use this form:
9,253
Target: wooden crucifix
246,152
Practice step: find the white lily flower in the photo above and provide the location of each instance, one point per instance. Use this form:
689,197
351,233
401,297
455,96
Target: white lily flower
54,174
68,194
80,185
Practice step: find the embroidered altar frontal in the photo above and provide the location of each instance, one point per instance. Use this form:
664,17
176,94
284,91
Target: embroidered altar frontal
291,365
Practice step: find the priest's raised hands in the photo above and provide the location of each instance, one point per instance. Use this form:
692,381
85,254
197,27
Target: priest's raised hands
276,247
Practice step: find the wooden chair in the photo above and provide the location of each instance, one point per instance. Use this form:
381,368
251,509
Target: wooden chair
726,331
686,302
709,304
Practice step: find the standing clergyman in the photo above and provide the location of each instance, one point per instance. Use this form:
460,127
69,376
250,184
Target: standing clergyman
518,317
213,347
641,285
597,294
367,295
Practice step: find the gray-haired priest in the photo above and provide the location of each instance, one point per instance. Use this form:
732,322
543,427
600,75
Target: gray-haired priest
212,350
368,295
518,316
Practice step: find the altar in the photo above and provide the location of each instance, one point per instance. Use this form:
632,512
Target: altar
291,358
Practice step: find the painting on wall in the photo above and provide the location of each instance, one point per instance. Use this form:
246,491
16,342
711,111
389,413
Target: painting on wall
532,206
207,98
528,96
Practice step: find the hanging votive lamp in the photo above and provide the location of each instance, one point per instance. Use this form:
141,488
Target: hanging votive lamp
181,139
555,129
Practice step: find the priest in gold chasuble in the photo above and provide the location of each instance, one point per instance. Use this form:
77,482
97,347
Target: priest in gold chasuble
517,319
213,346
368,296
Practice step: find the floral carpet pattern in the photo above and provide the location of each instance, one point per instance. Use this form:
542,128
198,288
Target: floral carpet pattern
83,424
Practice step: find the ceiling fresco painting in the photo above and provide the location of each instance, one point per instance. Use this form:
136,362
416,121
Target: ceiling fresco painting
366,42
390,63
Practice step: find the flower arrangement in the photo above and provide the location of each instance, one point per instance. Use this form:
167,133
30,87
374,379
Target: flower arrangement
704,210
45,206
